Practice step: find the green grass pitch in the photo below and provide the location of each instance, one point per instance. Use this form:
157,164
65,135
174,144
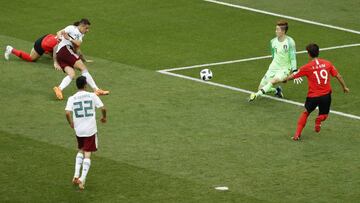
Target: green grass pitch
169,139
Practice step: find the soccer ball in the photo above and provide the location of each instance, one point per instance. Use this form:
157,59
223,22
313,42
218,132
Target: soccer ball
206,74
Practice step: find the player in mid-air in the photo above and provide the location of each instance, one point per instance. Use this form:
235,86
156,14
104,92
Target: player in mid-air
283,52
68,57
318,72
45,44
82,107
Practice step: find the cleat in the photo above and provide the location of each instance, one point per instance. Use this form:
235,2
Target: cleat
252,97
317,128
81,184
279,93
296,137
8,51
75,181
99,92
58,93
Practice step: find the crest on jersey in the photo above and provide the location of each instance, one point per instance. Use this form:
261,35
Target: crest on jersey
285,47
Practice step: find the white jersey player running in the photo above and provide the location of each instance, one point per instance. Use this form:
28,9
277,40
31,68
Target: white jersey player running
284,62
82,106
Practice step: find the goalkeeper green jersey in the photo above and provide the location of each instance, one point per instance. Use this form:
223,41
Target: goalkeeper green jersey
283,54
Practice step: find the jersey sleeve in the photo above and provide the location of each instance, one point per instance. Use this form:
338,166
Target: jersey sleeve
69,105
97,101
292,54
70,31
333,71
302,72
69,28
272,49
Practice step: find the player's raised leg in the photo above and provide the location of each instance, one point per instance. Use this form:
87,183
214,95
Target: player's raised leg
324,109
89,79
65,82
318,120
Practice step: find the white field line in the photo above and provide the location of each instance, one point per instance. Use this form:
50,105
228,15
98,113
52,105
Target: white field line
253,58
249,92
284,16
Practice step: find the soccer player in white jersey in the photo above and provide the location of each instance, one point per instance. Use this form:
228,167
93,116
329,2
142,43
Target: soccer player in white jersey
284,62
68,56
82,107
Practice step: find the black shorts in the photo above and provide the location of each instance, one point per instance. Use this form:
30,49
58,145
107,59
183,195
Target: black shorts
323,102
37,45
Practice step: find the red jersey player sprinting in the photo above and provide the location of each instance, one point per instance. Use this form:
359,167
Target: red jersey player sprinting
45,44
318,73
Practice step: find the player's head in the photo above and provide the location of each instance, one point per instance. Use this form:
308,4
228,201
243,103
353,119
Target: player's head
81,82
313,50
83,25
281,28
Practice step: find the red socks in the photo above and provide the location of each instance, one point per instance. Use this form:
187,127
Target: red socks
301,123
321,118
318,121
21,54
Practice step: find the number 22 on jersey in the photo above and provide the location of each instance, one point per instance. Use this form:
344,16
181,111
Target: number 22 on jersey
83,109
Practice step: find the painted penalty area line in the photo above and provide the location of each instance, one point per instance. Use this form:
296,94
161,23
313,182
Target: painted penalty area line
249,92
254,58
284,16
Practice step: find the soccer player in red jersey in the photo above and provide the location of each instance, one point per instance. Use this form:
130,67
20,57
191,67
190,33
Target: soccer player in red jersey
318,73
45,44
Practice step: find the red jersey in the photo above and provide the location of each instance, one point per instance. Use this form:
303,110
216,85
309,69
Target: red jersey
49,42
318,73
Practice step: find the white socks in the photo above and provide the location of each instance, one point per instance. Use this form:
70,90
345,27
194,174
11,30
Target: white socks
78,162
65,82
89,79
264,89
85,163
85,169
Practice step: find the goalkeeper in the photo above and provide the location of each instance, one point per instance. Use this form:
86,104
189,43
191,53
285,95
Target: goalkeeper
284,62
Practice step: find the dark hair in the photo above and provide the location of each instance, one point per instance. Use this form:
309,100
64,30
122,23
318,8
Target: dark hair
283,25
81,82
313,50
83,21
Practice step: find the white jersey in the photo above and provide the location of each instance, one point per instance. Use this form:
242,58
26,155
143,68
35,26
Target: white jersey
74,33
83,104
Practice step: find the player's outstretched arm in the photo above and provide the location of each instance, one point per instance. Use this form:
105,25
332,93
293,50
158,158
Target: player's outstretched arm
103,113
342,83
290,77
68,118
